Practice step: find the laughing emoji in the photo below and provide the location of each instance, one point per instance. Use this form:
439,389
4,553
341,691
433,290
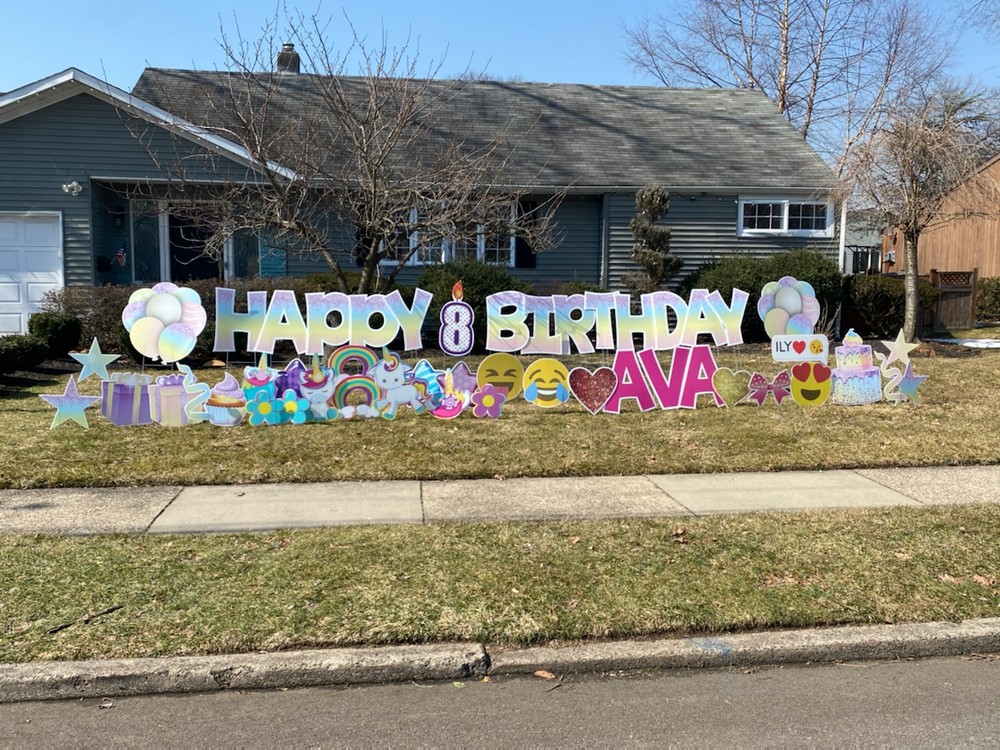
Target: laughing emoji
546,383
810,383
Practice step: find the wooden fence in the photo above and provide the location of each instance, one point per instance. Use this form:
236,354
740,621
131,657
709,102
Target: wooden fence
956,303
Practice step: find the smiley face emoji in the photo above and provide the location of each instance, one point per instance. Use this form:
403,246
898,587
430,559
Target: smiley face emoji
816,346
501,370
546,383
810,383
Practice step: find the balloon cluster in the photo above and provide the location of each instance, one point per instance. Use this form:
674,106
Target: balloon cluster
788,306
164,322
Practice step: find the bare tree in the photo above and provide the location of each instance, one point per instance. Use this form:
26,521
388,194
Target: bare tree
375,169
830,66
924,168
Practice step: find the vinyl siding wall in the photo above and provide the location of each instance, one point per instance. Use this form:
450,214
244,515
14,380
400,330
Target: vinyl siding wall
703,230
78,139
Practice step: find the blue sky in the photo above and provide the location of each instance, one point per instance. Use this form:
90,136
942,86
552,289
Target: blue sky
542,40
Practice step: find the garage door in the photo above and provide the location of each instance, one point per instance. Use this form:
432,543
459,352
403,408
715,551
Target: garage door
31,263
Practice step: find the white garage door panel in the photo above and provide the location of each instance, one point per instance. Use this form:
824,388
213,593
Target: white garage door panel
42,260
10,292
31,264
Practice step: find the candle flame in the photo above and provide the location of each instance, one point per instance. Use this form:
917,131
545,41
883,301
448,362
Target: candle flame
456,291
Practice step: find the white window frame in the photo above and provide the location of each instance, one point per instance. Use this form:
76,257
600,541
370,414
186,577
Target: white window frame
785,202
446,249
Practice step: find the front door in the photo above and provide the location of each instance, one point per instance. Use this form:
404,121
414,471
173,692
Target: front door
188,259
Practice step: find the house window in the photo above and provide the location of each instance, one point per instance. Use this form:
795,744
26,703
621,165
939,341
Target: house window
489,243
792,218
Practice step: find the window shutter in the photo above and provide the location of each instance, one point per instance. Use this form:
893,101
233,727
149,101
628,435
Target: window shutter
524,255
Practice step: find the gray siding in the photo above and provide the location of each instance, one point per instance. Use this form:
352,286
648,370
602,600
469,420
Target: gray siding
78,139
576,258
703,230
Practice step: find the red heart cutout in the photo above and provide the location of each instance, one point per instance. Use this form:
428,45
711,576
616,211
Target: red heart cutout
593,389
799,346
801,371
821,372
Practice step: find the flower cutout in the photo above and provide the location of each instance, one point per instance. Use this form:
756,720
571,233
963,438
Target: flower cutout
264,410
293,407
487,401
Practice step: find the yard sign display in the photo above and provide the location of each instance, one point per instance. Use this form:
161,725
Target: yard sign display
363,379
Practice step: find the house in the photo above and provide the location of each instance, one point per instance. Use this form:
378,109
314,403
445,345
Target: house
73,149
968,239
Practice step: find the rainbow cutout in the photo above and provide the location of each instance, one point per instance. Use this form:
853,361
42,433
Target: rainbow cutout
345,354
354,384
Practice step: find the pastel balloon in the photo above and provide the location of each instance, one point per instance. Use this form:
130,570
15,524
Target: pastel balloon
141,295
787,281
771,288
775,322
164,287
193,316
764,305
132,312
188,296
788,299
810,308
176,342
164,307
145,336
805,289
798,325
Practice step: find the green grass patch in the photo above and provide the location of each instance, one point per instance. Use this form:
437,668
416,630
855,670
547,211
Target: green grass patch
956,424
511,583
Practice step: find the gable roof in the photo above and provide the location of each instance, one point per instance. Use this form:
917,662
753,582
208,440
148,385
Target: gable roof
587,137
72,81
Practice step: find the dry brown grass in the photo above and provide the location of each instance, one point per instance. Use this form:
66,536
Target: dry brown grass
955,424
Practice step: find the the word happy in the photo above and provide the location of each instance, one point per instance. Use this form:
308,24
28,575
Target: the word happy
516,322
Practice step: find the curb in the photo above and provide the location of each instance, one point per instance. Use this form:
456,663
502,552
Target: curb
851,643
191,674
37,681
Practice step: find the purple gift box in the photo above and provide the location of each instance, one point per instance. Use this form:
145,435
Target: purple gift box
125,399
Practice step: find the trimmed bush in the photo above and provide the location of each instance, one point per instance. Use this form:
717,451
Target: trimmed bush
751,274
479,280
20,352
877,304
988,300
60,331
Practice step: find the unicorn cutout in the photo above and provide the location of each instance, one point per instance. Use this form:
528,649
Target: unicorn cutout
395,381
317,388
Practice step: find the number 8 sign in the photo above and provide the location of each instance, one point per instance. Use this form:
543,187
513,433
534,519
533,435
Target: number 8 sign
456,336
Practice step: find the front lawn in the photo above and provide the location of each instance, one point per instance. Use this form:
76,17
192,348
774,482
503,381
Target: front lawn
955,424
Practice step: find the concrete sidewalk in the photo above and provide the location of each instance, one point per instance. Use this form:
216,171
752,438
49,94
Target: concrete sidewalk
233,508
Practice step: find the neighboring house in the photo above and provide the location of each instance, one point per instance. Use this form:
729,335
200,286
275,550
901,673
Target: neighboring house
741,180
963,242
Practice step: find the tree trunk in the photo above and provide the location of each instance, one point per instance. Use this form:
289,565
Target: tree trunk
911,286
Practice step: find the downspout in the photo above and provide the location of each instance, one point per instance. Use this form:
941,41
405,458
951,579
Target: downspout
605,240
843,237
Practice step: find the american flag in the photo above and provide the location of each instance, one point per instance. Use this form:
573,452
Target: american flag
120,257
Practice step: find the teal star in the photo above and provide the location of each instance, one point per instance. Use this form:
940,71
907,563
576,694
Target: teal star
909,383
95,362
70,405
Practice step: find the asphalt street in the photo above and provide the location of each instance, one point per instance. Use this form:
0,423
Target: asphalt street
949,702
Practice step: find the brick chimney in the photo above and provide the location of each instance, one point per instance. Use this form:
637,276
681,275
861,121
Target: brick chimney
288,59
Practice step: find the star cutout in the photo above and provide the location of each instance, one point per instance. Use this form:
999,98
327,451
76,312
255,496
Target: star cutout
898,349
95,362
909,383
462,378
70,405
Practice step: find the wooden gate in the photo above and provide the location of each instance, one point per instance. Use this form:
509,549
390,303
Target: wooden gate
956,303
